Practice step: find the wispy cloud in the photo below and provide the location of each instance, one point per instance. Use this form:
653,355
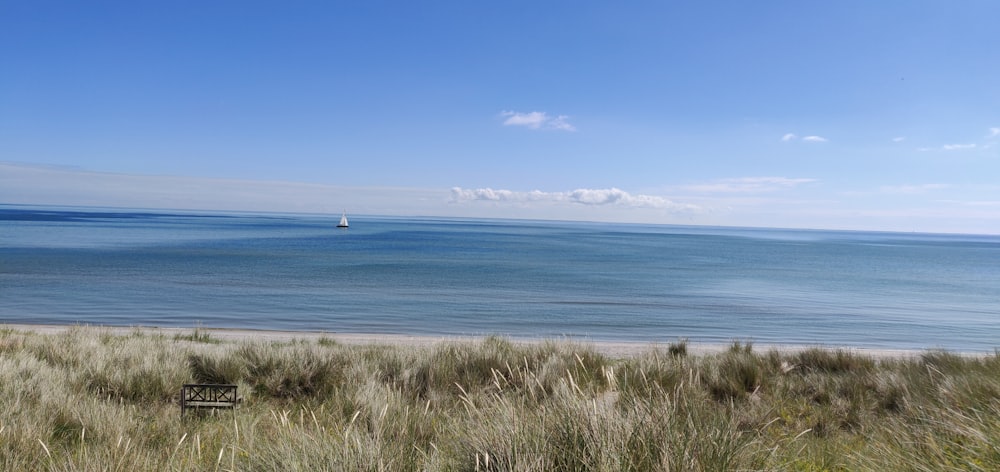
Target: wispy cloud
47,185
990,142
748,185
537,120
899,139
911,189
981,203
788,137
593,197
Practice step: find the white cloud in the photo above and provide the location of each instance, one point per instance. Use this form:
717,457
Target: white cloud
537,120
560,123
809,139
958,147
899,139
590,197
748,185
994,132
533,120
461,194
613,195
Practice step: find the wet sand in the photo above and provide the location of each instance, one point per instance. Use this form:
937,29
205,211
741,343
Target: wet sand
609,348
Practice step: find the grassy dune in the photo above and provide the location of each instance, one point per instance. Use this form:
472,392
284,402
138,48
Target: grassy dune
90,400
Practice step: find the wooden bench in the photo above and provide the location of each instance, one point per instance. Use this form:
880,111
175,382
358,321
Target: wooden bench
213,396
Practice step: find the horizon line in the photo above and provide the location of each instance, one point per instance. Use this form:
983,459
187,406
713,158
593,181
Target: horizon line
225,212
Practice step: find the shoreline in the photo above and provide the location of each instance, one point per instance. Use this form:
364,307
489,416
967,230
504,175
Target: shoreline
609,348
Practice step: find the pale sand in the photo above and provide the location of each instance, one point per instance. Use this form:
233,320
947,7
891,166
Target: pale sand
609,348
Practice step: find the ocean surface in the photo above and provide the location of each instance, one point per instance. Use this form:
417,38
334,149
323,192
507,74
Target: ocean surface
523,279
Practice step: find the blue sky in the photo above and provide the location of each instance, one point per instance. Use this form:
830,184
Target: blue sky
846,115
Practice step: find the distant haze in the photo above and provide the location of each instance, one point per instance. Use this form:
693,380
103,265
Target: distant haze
723,204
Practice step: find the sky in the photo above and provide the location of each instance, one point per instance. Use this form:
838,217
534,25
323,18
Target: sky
853,115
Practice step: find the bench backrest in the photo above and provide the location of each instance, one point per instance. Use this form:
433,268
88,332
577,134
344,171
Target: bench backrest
208,396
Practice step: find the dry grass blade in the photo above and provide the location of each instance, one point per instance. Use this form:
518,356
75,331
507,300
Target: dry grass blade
493,405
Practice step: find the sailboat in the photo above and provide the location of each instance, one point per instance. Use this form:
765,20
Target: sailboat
343,221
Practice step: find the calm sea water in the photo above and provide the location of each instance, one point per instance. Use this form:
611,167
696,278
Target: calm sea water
514,278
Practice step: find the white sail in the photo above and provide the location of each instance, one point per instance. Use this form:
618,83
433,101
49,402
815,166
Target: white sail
343,221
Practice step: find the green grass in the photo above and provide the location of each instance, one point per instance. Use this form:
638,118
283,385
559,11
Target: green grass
90,400
197,335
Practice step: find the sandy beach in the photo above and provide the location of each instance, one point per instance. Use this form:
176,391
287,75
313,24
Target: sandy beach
610,348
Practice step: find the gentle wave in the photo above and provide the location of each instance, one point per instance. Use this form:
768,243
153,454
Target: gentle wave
516,278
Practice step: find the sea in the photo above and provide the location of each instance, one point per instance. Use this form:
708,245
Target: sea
514,278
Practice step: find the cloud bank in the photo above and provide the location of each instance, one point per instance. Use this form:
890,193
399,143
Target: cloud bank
590,197
537,120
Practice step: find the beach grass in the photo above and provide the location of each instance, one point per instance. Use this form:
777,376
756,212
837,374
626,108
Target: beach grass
86,399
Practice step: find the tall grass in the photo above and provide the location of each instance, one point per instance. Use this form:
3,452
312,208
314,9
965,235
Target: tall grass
89,400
